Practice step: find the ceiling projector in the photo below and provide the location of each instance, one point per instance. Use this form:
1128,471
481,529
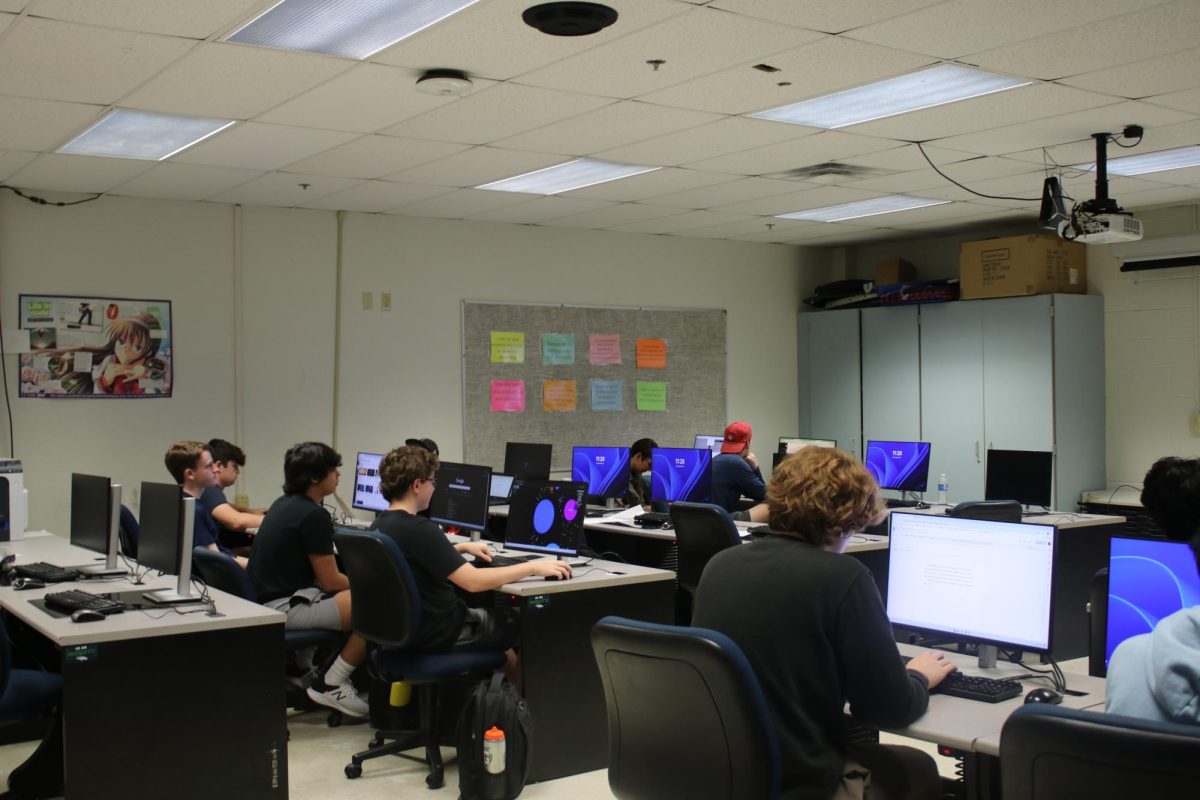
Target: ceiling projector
1096,221
1107,228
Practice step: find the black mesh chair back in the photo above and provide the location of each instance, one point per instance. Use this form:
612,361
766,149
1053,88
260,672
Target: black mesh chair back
128,531
387,608
686,714
222,572
1051,752
701,531
995,510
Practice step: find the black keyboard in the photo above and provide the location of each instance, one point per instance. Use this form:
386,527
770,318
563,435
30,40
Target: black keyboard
973,687
73,600
653,519
893,502
48,573
503,561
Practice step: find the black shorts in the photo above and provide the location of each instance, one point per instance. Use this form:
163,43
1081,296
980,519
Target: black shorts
488,629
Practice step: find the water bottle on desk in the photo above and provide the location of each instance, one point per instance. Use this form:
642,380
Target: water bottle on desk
494,756
943,487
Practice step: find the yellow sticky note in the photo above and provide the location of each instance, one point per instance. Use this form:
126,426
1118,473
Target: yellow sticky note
508,347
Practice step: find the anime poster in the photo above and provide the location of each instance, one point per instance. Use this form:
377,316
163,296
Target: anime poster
95,347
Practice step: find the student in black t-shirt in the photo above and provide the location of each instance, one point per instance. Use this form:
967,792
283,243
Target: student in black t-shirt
191,465
406,481
294,569
233,521
639,468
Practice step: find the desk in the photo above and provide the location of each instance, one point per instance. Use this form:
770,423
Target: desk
562,683
190,706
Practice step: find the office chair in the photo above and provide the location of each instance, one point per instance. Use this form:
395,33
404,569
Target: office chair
128,532
1052,752
386,613
996,510
1098,623
701,531
29,694
221,572
686,715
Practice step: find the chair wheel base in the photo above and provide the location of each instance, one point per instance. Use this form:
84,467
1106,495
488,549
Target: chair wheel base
353,771
334,719
435,780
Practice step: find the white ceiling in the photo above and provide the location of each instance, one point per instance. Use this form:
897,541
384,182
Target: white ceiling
315,131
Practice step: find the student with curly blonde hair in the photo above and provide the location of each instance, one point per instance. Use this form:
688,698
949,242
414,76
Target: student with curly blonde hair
812,624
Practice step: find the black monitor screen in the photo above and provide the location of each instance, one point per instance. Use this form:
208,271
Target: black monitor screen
903,466
546,517
678,473
90,512
1022,475
161,523
525,460
604,469
366,483
461,496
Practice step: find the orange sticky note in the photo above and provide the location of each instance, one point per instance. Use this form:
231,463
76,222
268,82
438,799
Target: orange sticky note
652,353
558,395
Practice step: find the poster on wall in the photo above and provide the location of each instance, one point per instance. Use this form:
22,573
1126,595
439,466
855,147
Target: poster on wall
95,347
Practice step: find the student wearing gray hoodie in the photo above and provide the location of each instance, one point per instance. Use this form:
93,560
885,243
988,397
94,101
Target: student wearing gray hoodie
1157,675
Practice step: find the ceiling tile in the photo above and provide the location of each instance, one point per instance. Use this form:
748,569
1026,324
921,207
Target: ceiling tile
375,156
14,6
613,215
284,189
377,196
831,16
193,20
982,113
103,64
828,65
477,166
723,194
232,81
959,27
651,184
1160,75
992,218
1083,150
491,40
366,99
695,43
605,128
1158,197
41,124
460,204
6,20
11,161
60,173
965,172
503,110
806,233
539,210
800,200
1188,100
725,136
680,222
1189,176
255,146
1101,44
173,181
751,226
800,151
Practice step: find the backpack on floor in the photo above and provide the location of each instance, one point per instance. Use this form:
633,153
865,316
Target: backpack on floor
493,702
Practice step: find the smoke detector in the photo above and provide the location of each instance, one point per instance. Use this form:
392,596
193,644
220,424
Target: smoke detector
445,83
569,19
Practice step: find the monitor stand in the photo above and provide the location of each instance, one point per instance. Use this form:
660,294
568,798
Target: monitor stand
182,593
987,656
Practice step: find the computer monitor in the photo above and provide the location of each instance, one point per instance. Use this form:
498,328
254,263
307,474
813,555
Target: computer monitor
974,580
96,520
366,483
460,498
527,460
1022,475
678,473
605,470
500,487
903,466
706,442
794,444
546,517
168,519
1148,579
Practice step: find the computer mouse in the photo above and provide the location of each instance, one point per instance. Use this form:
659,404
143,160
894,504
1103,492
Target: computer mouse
1047,696
86,615
556,577
28,583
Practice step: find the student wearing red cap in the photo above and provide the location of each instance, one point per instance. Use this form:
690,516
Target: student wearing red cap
735,469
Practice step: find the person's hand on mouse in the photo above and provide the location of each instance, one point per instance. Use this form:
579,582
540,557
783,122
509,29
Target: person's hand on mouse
550,568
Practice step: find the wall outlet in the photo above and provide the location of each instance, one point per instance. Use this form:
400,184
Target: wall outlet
1194,424
385,301
242,500
368,301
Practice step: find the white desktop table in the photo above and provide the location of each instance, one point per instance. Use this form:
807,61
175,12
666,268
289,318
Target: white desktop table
159,703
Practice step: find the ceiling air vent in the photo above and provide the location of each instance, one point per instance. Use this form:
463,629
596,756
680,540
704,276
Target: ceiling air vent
829,172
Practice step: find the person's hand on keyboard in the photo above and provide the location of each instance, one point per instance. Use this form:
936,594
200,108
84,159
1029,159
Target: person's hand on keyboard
934,665
480,550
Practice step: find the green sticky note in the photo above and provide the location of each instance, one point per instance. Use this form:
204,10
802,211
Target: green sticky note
558,348
651,395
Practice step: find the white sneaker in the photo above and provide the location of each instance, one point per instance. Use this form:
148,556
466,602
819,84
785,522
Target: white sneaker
344,698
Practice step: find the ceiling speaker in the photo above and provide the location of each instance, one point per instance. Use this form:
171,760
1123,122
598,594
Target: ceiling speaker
569,19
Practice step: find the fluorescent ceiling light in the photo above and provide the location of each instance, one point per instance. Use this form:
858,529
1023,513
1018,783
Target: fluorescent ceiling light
863,208
348,28
1163,160
926,88
142,134
564,177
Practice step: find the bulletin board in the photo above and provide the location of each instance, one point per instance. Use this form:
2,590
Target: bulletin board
570,375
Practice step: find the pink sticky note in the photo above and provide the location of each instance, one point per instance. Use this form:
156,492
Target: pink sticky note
508,395
604,348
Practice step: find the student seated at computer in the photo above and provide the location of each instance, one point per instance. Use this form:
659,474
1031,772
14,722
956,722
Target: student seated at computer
233,521
735,469
1157,675
812,624
294,569
192,467
639,471
406,481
